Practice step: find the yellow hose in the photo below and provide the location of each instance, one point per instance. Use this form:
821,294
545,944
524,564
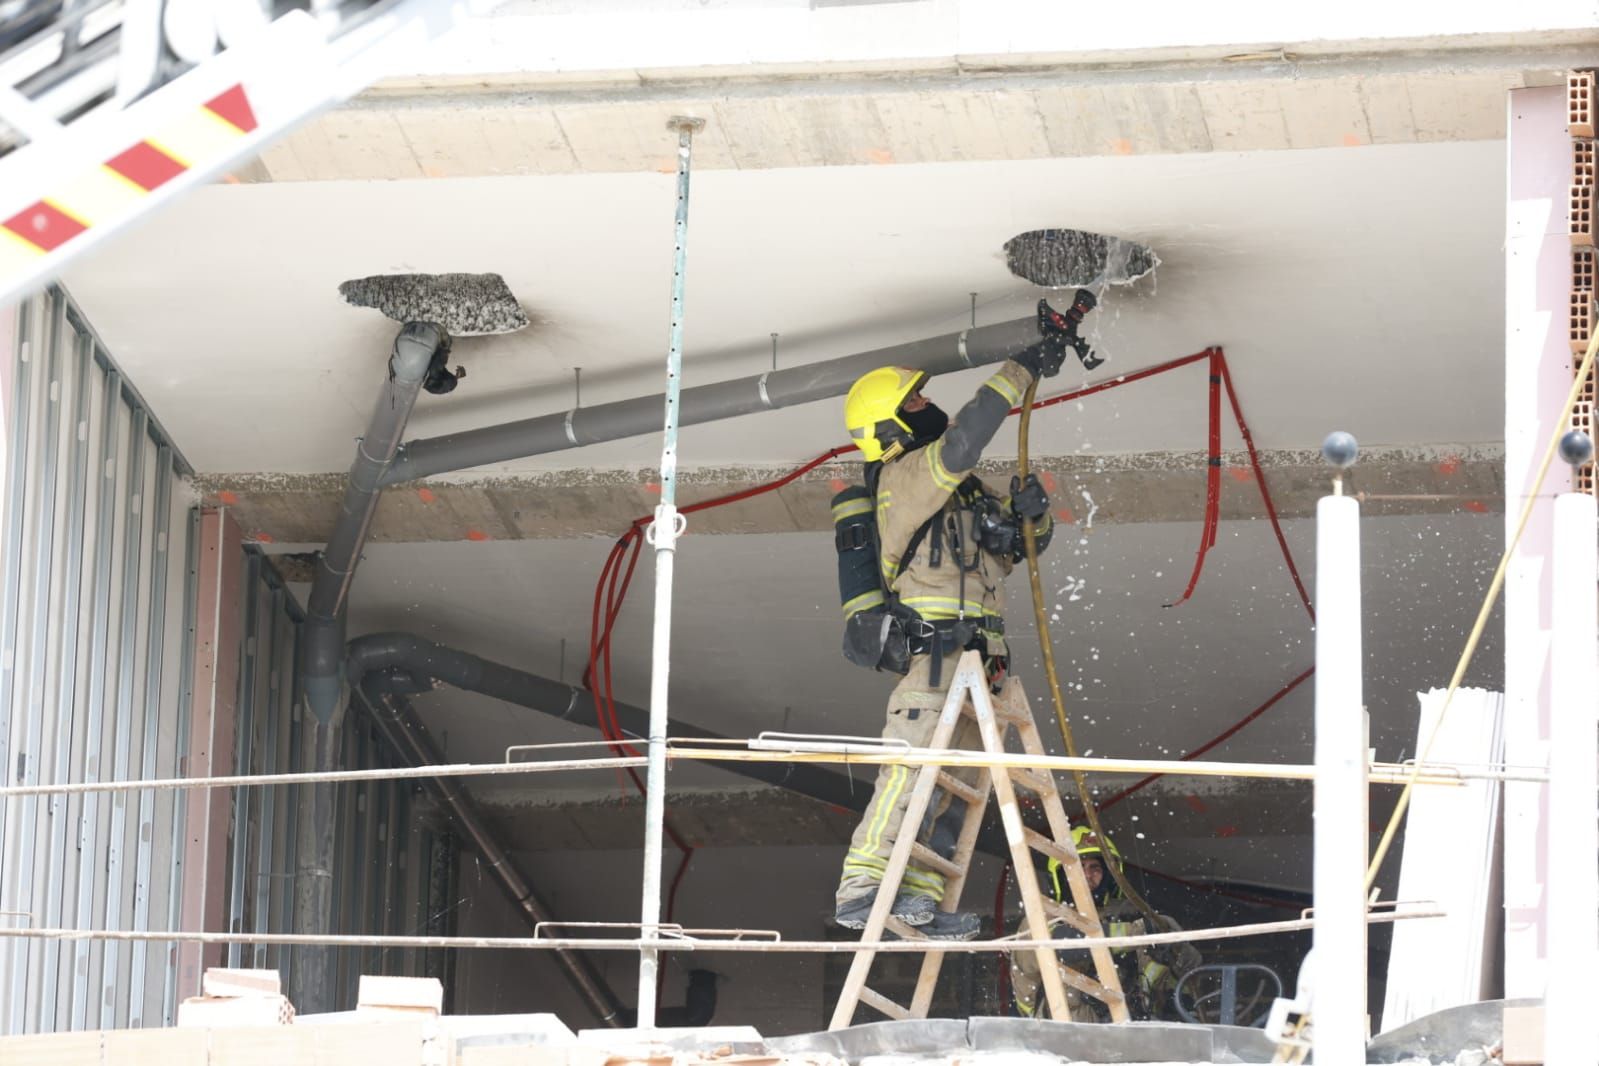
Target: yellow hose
1090,812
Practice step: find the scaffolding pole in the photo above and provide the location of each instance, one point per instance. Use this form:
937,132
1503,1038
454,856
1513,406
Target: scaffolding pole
663,534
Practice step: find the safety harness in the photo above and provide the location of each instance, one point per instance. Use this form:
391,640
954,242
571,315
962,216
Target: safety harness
881,631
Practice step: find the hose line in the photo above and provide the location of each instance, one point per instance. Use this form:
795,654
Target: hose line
1029,541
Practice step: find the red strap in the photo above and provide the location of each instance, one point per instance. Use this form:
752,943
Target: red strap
1207,533
1265,493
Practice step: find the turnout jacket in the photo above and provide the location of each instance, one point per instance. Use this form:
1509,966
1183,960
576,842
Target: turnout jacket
923,483
1149,974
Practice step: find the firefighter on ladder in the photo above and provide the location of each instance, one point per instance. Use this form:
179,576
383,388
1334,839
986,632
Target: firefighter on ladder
1149,974
944,544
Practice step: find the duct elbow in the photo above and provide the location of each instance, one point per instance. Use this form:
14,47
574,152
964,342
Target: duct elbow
416,347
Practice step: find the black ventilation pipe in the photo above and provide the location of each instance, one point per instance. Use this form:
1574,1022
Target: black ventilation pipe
421,663
427,661
383,693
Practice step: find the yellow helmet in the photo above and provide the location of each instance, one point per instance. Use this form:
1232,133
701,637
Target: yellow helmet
1089,845
871,411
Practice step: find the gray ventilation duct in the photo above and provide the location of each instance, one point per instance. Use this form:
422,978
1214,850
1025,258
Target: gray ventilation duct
414,349
322,638
588,425
704,403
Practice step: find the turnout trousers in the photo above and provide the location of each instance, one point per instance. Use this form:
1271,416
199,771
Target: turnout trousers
913,711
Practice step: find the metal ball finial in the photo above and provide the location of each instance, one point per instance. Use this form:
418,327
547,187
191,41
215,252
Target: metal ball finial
1576,448
1340,449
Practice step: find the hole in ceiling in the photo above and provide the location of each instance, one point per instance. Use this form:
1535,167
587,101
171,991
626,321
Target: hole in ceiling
1074,258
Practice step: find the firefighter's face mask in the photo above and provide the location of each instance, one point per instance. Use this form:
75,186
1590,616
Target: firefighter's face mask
927,423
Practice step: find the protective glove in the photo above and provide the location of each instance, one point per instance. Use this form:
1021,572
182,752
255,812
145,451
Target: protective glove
1028,499
1044,359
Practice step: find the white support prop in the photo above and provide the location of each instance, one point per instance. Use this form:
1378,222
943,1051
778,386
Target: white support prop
1570,1037
1538,366
1342,838
662,534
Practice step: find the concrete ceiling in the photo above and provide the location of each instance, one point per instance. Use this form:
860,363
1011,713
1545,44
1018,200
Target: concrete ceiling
1356,278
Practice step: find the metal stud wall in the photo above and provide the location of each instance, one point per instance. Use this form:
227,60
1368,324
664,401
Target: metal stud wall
93,638
99,539
382,867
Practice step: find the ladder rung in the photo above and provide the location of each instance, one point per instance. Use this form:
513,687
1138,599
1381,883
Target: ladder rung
955,786
1072,917
1087,985
884,1005
933,860
1033,780
1001,712
1048,845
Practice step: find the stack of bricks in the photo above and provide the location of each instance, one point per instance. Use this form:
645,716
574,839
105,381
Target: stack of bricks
236,998
1580,125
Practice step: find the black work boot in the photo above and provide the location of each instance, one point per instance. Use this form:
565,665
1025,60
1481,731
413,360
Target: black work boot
910,909
952,925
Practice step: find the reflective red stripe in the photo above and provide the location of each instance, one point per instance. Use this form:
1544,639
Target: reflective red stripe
233,107
146,166
44,226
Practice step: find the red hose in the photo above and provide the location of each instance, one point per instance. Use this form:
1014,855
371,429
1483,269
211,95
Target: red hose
1143,782
1265,493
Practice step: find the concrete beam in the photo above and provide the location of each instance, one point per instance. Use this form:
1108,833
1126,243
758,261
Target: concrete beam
1155,487
950,109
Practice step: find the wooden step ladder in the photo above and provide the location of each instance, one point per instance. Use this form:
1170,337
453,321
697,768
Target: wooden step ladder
969,695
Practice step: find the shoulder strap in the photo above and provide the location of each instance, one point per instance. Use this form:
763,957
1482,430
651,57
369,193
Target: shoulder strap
914,543
972,484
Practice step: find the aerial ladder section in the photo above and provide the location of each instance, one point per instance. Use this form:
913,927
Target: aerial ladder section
109,109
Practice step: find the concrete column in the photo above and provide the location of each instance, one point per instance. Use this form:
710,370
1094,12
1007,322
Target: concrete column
216,687
1537,378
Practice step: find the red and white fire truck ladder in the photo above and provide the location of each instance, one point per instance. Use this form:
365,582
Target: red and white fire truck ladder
111,108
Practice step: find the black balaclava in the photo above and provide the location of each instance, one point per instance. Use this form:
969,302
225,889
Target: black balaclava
927,425
1107,883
